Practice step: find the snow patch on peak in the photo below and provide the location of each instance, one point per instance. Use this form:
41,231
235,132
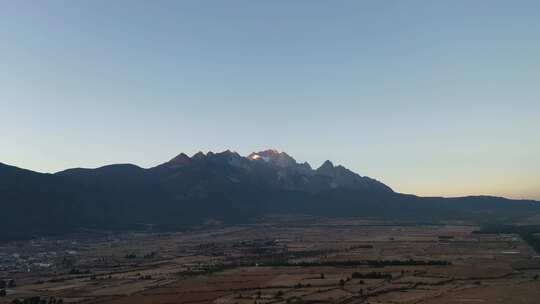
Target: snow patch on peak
254,156
271,151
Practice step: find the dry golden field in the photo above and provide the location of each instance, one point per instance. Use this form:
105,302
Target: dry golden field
290,260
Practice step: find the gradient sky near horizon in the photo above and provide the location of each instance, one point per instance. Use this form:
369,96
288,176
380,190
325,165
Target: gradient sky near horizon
430,97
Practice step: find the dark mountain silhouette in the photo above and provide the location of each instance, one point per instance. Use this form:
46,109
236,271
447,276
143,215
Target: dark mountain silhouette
220,186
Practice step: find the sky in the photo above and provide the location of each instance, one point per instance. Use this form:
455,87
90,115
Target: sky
430,97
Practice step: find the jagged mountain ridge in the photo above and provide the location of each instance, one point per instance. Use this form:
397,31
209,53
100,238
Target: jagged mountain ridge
223,186
280,170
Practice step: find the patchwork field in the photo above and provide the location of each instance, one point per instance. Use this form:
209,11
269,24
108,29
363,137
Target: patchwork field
300,260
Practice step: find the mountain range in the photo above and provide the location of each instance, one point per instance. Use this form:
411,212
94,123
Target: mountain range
219,187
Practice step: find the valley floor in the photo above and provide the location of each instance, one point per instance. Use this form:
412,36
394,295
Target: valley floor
280,260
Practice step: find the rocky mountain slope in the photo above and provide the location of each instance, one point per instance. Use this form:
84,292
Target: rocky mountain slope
224,187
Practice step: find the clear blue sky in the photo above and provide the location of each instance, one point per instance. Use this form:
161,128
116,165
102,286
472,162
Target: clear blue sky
431,97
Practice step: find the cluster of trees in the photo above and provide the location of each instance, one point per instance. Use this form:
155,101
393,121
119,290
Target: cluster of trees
133,255
372,263
78,271
7,283
446,237
409,262
526,232
371,275
300,285
496,228
150,255
207,269
38,300
532,240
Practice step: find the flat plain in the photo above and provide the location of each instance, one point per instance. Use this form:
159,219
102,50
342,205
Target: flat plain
279,260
